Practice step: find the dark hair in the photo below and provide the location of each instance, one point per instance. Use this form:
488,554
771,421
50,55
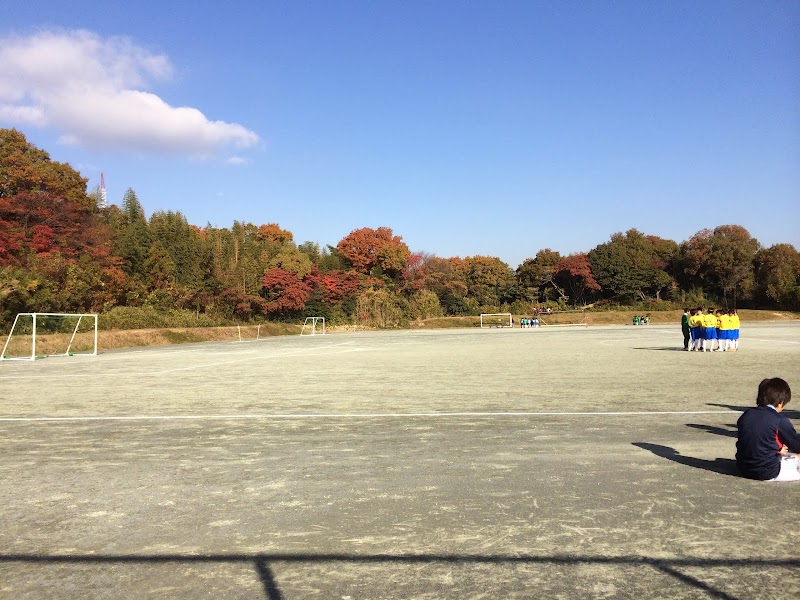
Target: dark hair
774,392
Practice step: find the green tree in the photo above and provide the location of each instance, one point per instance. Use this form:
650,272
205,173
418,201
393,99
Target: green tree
131,235
447,278
184,245
312,250
633,266
732,252
535,275
778,276
490,282
160,268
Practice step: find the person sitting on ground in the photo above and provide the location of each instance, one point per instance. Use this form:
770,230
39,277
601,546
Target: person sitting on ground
767,442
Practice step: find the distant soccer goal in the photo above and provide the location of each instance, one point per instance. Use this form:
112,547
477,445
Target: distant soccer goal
313,326
489,320
564,318
249,333
37,335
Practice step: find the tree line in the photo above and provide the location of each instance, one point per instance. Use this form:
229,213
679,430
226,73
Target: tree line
61,252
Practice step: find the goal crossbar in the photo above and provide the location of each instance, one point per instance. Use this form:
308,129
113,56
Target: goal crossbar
68,351
313,326
564,318
496,320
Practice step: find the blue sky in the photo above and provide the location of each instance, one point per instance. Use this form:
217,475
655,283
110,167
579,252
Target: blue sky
469,128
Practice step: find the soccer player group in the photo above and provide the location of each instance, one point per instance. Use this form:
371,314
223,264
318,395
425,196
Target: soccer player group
710,328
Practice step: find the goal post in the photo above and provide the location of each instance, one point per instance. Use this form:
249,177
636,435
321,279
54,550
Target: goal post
489,320
313,326
563,318
37,335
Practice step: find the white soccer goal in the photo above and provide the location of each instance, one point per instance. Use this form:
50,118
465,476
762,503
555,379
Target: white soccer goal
496,320
37,335
313,326
564,318
249,333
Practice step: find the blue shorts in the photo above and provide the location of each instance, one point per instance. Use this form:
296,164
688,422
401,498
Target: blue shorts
697,333
710,333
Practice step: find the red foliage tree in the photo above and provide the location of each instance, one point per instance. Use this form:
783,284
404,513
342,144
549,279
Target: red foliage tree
413,274
285,291
574,274
368,248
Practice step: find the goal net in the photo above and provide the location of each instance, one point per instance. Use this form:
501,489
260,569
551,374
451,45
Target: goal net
563,318
37,335
496,320
313,326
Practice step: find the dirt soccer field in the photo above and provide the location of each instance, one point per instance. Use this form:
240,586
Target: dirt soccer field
550,463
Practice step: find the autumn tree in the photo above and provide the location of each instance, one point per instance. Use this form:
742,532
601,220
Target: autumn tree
285,291
573,275
50,230
26,168
376,251
273,232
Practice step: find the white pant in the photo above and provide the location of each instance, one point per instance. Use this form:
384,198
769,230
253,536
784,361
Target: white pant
790,469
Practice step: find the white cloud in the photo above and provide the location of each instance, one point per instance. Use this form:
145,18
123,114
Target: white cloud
93,90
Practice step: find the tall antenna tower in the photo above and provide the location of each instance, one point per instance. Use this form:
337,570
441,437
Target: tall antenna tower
102,199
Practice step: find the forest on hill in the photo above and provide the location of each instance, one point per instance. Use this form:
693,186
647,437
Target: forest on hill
61,252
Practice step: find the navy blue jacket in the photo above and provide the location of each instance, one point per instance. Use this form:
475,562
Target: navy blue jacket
762,433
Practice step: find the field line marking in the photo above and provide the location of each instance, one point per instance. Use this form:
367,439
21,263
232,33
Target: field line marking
288,353
299,416
295,352
751,339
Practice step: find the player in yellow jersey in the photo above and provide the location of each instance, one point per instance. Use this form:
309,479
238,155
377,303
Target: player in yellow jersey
723,334
696,327
734,325
709,330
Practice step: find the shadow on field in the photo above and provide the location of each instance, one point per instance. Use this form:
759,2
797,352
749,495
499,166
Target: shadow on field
723,466
791,414
260,563
715,430
663,348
